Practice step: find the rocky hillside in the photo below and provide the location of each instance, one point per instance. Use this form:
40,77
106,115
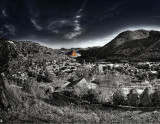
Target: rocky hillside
7,53
12,52
139,45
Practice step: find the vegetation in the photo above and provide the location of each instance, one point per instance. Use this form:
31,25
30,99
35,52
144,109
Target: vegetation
140,45
35,106
31,99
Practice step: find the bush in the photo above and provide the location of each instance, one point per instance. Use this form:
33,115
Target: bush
80,92
145,98
119,97
33,88
28,86
156,98
133,98
87,94
91,96
105,95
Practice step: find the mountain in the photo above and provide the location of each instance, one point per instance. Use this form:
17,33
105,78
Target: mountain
139,45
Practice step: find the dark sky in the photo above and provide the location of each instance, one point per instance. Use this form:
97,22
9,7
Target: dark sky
75,23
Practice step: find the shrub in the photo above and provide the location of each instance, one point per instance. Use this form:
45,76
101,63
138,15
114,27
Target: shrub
91,96
28,86
33,88
156,97
105,95
119,97
145,98
80,92
133,98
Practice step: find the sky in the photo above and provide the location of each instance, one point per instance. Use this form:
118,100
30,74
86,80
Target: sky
75,23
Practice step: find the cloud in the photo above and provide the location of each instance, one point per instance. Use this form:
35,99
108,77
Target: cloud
2,33
152,17
11,29
77,28
34,14
111,11
76,32
57,24
72,35
69,28
39,28
4,13
83,6
78,16
55,31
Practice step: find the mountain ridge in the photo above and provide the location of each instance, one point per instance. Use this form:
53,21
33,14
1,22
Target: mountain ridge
138,45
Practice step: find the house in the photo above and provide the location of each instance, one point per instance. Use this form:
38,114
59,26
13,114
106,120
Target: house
101,68
65,84
85,83
110,66
143,65
82,83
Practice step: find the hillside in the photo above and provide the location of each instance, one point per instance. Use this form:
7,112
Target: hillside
38,90
7,53
139,45
19,52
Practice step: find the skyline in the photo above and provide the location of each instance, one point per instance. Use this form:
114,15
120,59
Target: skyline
75,23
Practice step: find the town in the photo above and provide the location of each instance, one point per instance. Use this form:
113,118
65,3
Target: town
57,76
44,79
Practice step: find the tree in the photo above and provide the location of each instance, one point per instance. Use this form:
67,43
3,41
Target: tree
156,97
119,97
133,98
145,98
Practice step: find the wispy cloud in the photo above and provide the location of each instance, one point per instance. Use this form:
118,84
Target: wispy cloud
2,33
55,31
110,12
83,6
69,28
34,14
11,29
153,17
77,25
4,13
57,24
77,30
34,22
72,35
78,16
